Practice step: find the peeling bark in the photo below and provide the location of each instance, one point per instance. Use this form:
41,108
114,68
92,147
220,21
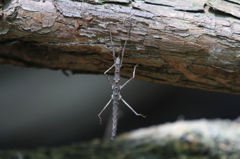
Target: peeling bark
182,43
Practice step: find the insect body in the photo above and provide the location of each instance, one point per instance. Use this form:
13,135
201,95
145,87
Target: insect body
116,87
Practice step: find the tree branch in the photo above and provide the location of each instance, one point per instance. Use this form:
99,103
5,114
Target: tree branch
182,139
189,44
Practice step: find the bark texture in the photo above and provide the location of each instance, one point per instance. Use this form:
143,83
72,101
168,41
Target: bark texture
197,139
185,43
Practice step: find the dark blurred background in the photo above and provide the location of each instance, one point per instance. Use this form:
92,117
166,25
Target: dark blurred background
41,107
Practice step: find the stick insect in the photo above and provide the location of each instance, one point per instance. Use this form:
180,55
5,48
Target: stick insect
116,87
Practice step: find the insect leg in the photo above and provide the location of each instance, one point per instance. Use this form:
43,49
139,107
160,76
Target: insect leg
130,78
103,110
131,108
105,73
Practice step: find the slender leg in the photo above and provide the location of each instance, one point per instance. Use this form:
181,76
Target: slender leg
103,110
132,108
130,78
105,73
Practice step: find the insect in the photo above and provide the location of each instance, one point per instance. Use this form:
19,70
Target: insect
116,87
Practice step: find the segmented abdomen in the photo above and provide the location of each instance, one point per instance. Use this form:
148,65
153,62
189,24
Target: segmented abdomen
115,118
116,95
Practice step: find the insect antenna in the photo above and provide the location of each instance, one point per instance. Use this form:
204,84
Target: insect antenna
128,37
113,48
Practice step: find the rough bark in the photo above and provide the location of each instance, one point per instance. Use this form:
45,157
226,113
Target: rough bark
199,139
184,43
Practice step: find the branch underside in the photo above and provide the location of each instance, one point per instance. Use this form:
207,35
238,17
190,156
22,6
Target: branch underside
195,47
